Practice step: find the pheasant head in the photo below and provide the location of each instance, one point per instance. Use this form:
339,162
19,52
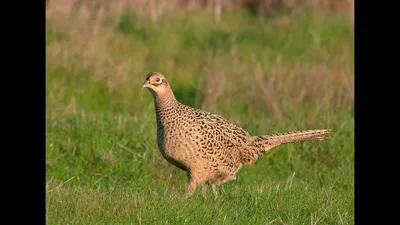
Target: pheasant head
157,84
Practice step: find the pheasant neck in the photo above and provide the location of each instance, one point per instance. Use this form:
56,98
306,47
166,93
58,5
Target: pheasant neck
164,100
164,104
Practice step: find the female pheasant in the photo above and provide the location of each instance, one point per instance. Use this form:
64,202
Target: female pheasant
208,147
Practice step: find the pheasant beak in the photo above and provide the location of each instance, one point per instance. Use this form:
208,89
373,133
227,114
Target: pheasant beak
146,84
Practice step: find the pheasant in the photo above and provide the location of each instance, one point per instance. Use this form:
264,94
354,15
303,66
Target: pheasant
208,147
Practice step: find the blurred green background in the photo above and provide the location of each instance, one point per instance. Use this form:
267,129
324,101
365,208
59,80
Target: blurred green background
269,66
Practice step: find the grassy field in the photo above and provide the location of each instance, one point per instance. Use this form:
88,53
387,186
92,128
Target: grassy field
277,74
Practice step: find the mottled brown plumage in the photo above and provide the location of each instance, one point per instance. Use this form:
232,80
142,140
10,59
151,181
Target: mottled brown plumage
208,147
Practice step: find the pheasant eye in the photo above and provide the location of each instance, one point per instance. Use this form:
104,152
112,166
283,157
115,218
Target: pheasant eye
158,80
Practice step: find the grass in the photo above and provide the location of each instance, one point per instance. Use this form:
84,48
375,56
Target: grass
290,72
